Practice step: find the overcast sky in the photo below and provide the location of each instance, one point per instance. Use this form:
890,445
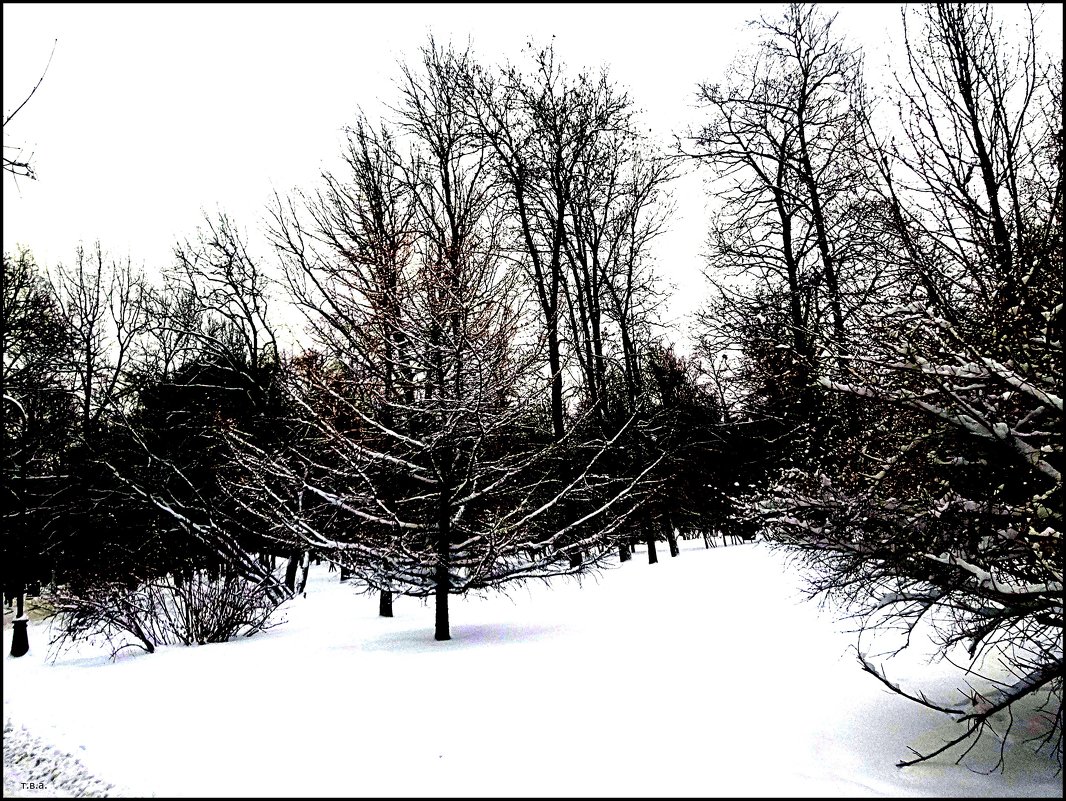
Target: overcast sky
150,113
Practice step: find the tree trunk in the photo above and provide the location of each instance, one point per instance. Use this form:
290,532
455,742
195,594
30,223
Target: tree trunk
623,552
652,556
672,541
305,569
555,365
20,640
290,572
345,573
442,631
385,604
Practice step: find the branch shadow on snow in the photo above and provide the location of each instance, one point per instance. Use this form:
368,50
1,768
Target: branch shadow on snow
463,636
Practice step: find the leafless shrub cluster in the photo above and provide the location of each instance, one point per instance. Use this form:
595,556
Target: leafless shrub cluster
192,609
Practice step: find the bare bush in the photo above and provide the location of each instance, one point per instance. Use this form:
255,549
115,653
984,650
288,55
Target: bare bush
192,609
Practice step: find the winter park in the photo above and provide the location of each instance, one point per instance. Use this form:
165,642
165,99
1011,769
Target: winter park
532,400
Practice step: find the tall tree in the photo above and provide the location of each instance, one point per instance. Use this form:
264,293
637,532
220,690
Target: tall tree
785,144
618,209
441,485
950,508
103,306
542,127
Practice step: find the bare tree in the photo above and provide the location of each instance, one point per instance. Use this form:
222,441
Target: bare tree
541,128
617,210
228,287
443,484
366,221
475,502
103,306
785,142
950,508
169,341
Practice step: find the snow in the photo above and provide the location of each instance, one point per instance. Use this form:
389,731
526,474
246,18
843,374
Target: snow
30,763
702,675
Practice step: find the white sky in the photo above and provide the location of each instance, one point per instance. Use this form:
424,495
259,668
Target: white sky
150,113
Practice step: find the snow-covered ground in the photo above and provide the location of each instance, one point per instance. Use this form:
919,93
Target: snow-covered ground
702,675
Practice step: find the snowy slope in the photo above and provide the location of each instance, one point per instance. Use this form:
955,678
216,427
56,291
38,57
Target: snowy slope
702,675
